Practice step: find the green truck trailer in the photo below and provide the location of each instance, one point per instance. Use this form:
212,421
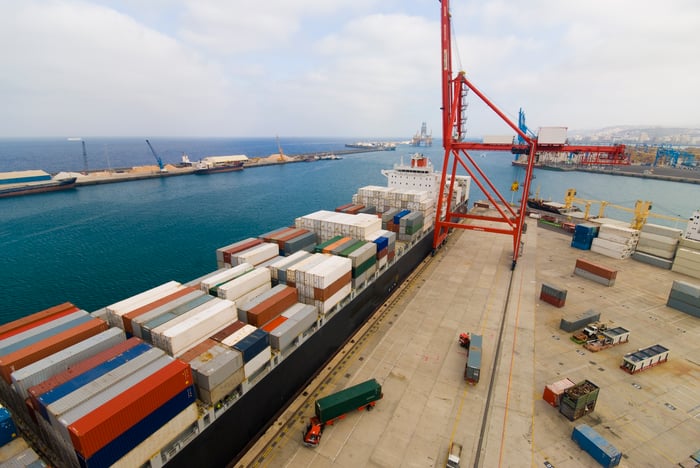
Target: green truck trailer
334,407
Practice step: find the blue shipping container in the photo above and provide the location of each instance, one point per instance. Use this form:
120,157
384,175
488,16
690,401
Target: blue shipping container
126,441
596,446
8,430
253,344
382,243
399,215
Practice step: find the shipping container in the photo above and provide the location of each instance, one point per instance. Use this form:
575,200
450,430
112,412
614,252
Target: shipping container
157,334
227,331
302,318
145,329
236,288
252,344
349,399
472,370
596,446
116,310
579,320
238,335
579,400
32,353
61,361
553,392
257,364
8,430
210,284
130,316
38,318
214,365
223,254
41,332
184,303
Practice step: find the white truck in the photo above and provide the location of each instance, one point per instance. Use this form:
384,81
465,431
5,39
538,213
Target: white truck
453,455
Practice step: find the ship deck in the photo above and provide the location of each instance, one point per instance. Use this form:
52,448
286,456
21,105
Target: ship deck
411,347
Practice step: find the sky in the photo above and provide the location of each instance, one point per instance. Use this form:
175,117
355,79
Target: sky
335,68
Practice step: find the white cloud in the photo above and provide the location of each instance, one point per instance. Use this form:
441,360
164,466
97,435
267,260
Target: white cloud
345,68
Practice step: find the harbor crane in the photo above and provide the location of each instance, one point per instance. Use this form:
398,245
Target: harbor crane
455,90
85,157
155,155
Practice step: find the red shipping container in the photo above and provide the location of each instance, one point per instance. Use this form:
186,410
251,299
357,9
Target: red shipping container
39,318
273,237
228,331
289,236
96,429
240,248
274,323
553,392
34,352
555,301
80,368
272,307
337,285
598,270
342,208
128,317
354,209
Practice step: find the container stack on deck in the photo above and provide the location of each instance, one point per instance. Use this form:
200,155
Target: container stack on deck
615,241
685,297
657,245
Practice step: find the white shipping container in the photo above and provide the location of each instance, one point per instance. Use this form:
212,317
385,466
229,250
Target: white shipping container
224,276
258,362
256,255
157,332
159,439
238,335
56,363
283,262
244,284
198,327
325,306
362,254
116,310
302,319
221,250
552,136
244,299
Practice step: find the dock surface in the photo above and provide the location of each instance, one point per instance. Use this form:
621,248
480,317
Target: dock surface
411,347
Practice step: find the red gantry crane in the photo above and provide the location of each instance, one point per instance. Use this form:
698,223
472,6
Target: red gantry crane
455,89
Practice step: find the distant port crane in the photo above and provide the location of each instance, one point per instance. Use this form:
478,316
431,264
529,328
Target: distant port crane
666,155
155,155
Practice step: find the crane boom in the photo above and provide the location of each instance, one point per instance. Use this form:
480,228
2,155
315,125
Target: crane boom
155,155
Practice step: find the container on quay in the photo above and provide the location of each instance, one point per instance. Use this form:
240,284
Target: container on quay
596,446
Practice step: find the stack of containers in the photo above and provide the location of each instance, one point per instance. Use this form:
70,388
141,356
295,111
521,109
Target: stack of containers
333,243
386,246
328,224
267,306
255,255
278,269
384,199
223,254
553,295
584,233
363,256
217,369
372,195
324,282
119,412
685,297
142,326
411,226
129,316
8,430
19,454
553,392
595,272
615,241
254,345
388,219
306,263
118,309
687,259
291,240
579,320
210,283
299,318
185,331
657,245
395,224
578,400
247,286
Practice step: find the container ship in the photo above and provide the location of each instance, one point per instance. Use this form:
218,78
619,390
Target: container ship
34,181
191,374
216,164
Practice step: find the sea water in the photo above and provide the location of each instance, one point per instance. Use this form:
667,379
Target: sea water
96,245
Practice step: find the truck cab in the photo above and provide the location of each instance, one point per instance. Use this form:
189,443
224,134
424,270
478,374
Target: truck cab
314,429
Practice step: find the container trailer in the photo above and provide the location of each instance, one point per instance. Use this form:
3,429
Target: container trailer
336,406
473,367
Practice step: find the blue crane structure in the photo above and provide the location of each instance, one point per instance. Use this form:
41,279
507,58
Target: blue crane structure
155,155
667,155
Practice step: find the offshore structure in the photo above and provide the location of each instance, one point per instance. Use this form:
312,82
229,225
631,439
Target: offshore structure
422,138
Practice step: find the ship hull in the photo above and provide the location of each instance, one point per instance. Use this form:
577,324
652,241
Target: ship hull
34,189
226,440
216,170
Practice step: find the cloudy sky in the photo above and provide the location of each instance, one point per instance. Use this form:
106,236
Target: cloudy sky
367,68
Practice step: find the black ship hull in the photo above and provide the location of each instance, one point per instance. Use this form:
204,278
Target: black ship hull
218,169
226,440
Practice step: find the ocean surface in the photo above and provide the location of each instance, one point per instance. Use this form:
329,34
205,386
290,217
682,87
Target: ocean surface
96,245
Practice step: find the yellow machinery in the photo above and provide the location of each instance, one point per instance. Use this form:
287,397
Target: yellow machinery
641,210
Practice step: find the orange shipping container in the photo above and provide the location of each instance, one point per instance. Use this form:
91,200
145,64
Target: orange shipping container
337,285
198,350
335,244
34,352
39,318
274,323
272,307
222,334
598,270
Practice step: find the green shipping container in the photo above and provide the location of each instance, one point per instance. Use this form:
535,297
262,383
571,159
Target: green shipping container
350,399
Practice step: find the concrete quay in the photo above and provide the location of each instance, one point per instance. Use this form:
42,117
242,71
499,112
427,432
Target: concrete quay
411,347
